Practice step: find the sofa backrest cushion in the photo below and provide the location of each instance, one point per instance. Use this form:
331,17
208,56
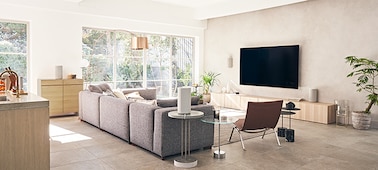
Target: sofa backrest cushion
195,100
168,102
146,93
133,95
172,102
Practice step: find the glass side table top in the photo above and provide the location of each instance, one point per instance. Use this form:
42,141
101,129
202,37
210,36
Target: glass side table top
219,154
221,120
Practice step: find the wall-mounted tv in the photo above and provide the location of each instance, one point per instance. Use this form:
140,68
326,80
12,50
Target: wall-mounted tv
275,66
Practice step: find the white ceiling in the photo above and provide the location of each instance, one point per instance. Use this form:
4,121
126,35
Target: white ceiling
194,9
206,9
192,3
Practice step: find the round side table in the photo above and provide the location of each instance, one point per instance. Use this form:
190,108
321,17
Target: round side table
185,161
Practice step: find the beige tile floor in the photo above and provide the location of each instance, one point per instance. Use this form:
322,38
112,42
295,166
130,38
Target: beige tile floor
78,145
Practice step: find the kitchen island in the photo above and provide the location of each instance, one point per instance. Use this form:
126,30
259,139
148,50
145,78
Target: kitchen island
24,132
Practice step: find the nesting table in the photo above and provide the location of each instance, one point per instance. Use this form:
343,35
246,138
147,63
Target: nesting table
216,121
288,133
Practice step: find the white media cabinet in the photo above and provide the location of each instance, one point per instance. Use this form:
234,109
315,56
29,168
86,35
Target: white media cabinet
310,111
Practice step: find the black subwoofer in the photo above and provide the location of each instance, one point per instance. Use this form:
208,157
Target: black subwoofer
281,132
289,135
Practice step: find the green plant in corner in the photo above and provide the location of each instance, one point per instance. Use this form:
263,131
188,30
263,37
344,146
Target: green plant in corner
208,80
366,71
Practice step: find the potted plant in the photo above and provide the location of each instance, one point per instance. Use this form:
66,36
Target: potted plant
366,71
208,80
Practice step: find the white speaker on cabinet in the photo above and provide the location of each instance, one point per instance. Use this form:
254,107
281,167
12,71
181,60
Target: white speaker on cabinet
58,72
313,95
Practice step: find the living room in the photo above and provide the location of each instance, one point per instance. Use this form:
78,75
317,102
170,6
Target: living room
327,32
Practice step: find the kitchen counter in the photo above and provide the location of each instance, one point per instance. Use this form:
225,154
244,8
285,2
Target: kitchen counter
25,101
24,132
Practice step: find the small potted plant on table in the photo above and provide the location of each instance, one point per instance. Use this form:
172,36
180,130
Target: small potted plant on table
366,71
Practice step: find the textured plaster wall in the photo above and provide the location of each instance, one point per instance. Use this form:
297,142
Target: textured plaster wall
327,31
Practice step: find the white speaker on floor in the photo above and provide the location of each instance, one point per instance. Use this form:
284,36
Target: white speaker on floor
313,95
184,100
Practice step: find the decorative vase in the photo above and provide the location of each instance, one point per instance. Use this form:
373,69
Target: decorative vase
361,120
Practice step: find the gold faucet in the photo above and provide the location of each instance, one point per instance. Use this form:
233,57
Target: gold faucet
9,71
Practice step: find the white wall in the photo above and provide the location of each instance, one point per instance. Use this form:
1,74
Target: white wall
327,31
55,34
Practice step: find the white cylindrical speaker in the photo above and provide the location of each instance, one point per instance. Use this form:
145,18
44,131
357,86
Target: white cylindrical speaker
313,95
184,100
58,72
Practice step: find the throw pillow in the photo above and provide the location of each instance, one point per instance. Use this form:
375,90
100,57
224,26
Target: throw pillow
94,88
104,87
150,102
119,94
109,93
134,95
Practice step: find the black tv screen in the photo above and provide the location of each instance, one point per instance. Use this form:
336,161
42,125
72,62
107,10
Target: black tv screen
270,66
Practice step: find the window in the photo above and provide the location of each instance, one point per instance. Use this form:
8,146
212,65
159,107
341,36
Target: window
166,65
13,49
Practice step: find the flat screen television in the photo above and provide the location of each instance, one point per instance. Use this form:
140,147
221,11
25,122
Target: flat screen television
270,66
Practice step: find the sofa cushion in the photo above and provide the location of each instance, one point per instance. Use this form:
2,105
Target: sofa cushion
172,102
134,95
104,87
109,93
146,93
95,89
149,102
119,94
195,100
169,102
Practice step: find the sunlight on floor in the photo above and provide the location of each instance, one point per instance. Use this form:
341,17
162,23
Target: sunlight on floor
65,136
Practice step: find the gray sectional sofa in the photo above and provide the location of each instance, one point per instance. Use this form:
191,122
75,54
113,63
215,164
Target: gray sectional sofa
142,123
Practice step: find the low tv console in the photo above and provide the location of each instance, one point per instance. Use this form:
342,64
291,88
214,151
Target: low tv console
310,111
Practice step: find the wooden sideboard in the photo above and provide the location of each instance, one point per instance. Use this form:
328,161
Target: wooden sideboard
63,94
310,111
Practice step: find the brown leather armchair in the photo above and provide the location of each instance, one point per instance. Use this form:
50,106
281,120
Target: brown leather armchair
260,117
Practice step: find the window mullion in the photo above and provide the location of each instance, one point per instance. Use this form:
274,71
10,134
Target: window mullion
170,79
144,69
114,56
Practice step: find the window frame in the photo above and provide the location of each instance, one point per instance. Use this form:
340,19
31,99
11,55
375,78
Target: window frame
145,59
24,78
